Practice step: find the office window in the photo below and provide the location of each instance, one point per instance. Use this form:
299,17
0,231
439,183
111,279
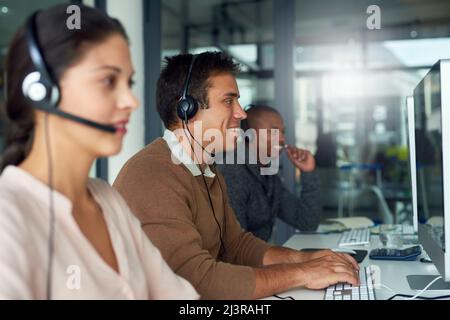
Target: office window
243,29
351,91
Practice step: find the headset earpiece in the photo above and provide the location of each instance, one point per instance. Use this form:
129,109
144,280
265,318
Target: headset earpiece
187,108
33,89
187,105
39,86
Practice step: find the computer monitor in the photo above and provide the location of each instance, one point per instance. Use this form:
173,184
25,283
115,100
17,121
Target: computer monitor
412,158
432,155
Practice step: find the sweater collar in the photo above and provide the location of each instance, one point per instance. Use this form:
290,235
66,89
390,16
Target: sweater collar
178,152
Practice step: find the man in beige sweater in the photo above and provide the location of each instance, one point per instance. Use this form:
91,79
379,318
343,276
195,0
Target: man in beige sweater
172,186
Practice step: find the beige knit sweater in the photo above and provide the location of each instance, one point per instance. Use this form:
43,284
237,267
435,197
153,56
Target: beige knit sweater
175,213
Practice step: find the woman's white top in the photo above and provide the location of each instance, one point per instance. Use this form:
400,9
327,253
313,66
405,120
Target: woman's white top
78,272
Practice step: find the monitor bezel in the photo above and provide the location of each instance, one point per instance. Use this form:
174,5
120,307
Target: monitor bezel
412,158
440,257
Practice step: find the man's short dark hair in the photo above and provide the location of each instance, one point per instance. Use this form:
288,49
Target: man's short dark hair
172,80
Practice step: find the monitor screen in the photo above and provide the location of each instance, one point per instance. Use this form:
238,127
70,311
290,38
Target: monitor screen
429,161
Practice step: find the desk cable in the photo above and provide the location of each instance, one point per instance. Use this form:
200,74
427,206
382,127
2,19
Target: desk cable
407,297
417,296
283,298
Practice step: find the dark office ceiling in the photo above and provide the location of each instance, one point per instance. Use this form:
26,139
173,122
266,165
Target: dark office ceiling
318,21
251,21
17,11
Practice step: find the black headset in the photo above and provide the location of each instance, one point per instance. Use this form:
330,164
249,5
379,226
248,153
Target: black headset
40,86
186,109
187,105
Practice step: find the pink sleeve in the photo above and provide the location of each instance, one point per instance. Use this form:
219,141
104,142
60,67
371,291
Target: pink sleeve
14,261
162,282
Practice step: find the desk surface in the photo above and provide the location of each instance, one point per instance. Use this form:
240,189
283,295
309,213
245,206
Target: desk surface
393,273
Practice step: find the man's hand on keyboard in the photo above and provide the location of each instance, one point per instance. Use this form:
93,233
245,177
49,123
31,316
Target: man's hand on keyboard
330,269
324,253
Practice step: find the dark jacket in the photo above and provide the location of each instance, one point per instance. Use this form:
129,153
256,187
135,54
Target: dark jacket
258,199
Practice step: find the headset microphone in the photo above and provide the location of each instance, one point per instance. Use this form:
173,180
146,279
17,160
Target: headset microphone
90,123
41,88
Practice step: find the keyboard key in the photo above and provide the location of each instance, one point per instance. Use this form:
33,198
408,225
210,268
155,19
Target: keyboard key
344,291
362,277
355,237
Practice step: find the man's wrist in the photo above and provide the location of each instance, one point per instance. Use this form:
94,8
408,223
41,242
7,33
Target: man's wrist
299,256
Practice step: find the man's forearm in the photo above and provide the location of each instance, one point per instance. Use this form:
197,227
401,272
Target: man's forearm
277,278
276,255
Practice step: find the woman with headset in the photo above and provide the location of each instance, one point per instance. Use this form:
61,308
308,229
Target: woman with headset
62,234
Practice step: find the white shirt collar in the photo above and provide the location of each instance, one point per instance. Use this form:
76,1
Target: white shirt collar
178,152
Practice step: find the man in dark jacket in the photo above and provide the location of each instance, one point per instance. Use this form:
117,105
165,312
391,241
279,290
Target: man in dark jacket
258,199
